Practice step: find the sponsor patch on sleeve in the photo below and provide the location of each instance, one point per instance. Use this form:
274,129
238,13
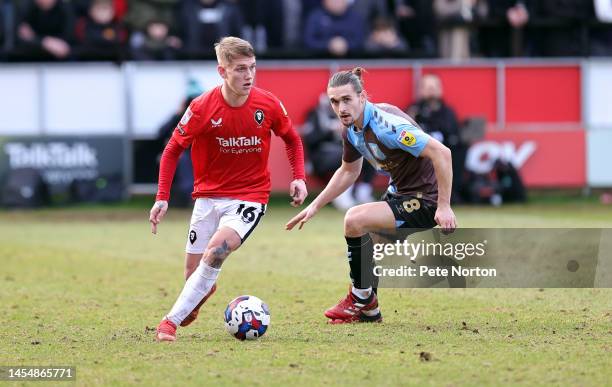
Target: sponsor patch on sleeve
184,121
407,138
186,117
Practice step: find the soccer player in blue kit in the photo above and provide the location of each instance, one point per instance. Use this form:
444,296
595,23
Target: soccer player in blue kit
418,196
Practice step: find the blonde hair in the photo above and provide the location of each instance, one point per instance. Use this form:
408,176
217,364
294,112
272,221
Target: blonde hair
353,77
230,48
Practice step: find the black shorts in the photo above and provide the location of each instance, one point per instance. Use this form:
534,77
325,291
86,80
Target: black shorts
410,211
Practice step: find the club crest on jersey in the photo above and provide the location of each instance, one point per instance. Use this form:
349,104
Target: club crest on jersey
376,151
407,138
259,116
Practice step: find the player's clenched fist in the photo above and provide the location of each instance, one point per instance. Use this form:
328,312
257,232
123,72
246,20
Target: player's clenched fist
445,218
157,213
298,192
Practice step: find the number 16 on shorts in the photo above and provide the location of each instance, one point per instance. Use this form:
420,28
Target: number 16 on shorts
210,214
248,213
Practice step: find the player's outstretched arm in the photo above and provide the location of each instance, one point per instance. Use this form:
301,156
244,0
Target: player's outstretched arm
441,159
342,179
156,214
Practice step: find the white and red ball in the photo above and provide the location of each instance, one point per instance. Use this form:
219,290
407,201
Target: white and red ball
247,318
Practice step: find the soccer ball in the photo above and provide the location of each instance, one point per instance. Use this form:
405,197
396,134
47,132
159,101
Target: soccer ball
247,318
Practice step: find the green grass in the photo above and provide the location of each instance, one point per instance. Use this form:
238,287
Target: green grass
84,287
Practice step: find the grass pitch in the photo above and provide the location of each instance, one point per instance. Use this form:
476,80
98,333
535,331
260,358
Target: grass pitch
86,287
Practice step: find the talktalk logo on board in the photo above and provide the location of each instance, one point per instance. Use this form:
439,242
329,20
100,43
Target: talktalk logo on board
483,155
51,155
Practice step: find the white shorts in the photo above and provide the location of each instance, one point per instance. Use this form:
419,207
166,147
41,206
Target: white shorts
210,214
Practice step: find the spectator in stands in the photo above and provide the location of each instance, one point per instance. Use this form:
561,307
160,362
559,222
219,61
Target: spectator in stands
45,30
417,25
99,34
154,31
432,113
263,20
517,14
322,135
385,39
204,22
440,121
293,21
82,8
141,12
504,35
454,18
371,10
335,28
155,42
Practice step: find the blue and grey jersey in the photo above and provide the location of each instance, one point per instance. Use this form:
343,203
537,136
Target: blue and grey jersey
393,145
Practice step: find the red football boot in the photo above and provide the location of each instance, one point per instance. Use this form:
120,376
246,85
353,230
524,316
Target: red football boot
166,331
350,320
194,313
362,318
350,310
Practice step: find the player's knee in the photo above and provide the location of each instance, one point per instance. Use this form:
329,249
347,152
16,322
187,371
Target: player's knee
353,222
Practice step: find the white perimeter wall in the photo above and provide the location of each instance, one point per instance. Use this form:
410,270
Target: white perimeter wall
597,103
95,99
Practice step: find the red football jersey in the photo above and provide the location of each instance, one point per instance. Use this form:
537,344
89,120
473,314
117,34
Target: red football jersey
230,145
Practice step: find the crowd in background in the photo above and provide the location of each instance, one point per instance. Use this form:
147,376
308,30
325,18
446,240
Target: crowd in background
187,29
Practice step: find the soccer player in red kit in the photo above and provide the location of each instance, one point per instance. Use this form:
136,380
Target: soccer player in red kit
229,130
